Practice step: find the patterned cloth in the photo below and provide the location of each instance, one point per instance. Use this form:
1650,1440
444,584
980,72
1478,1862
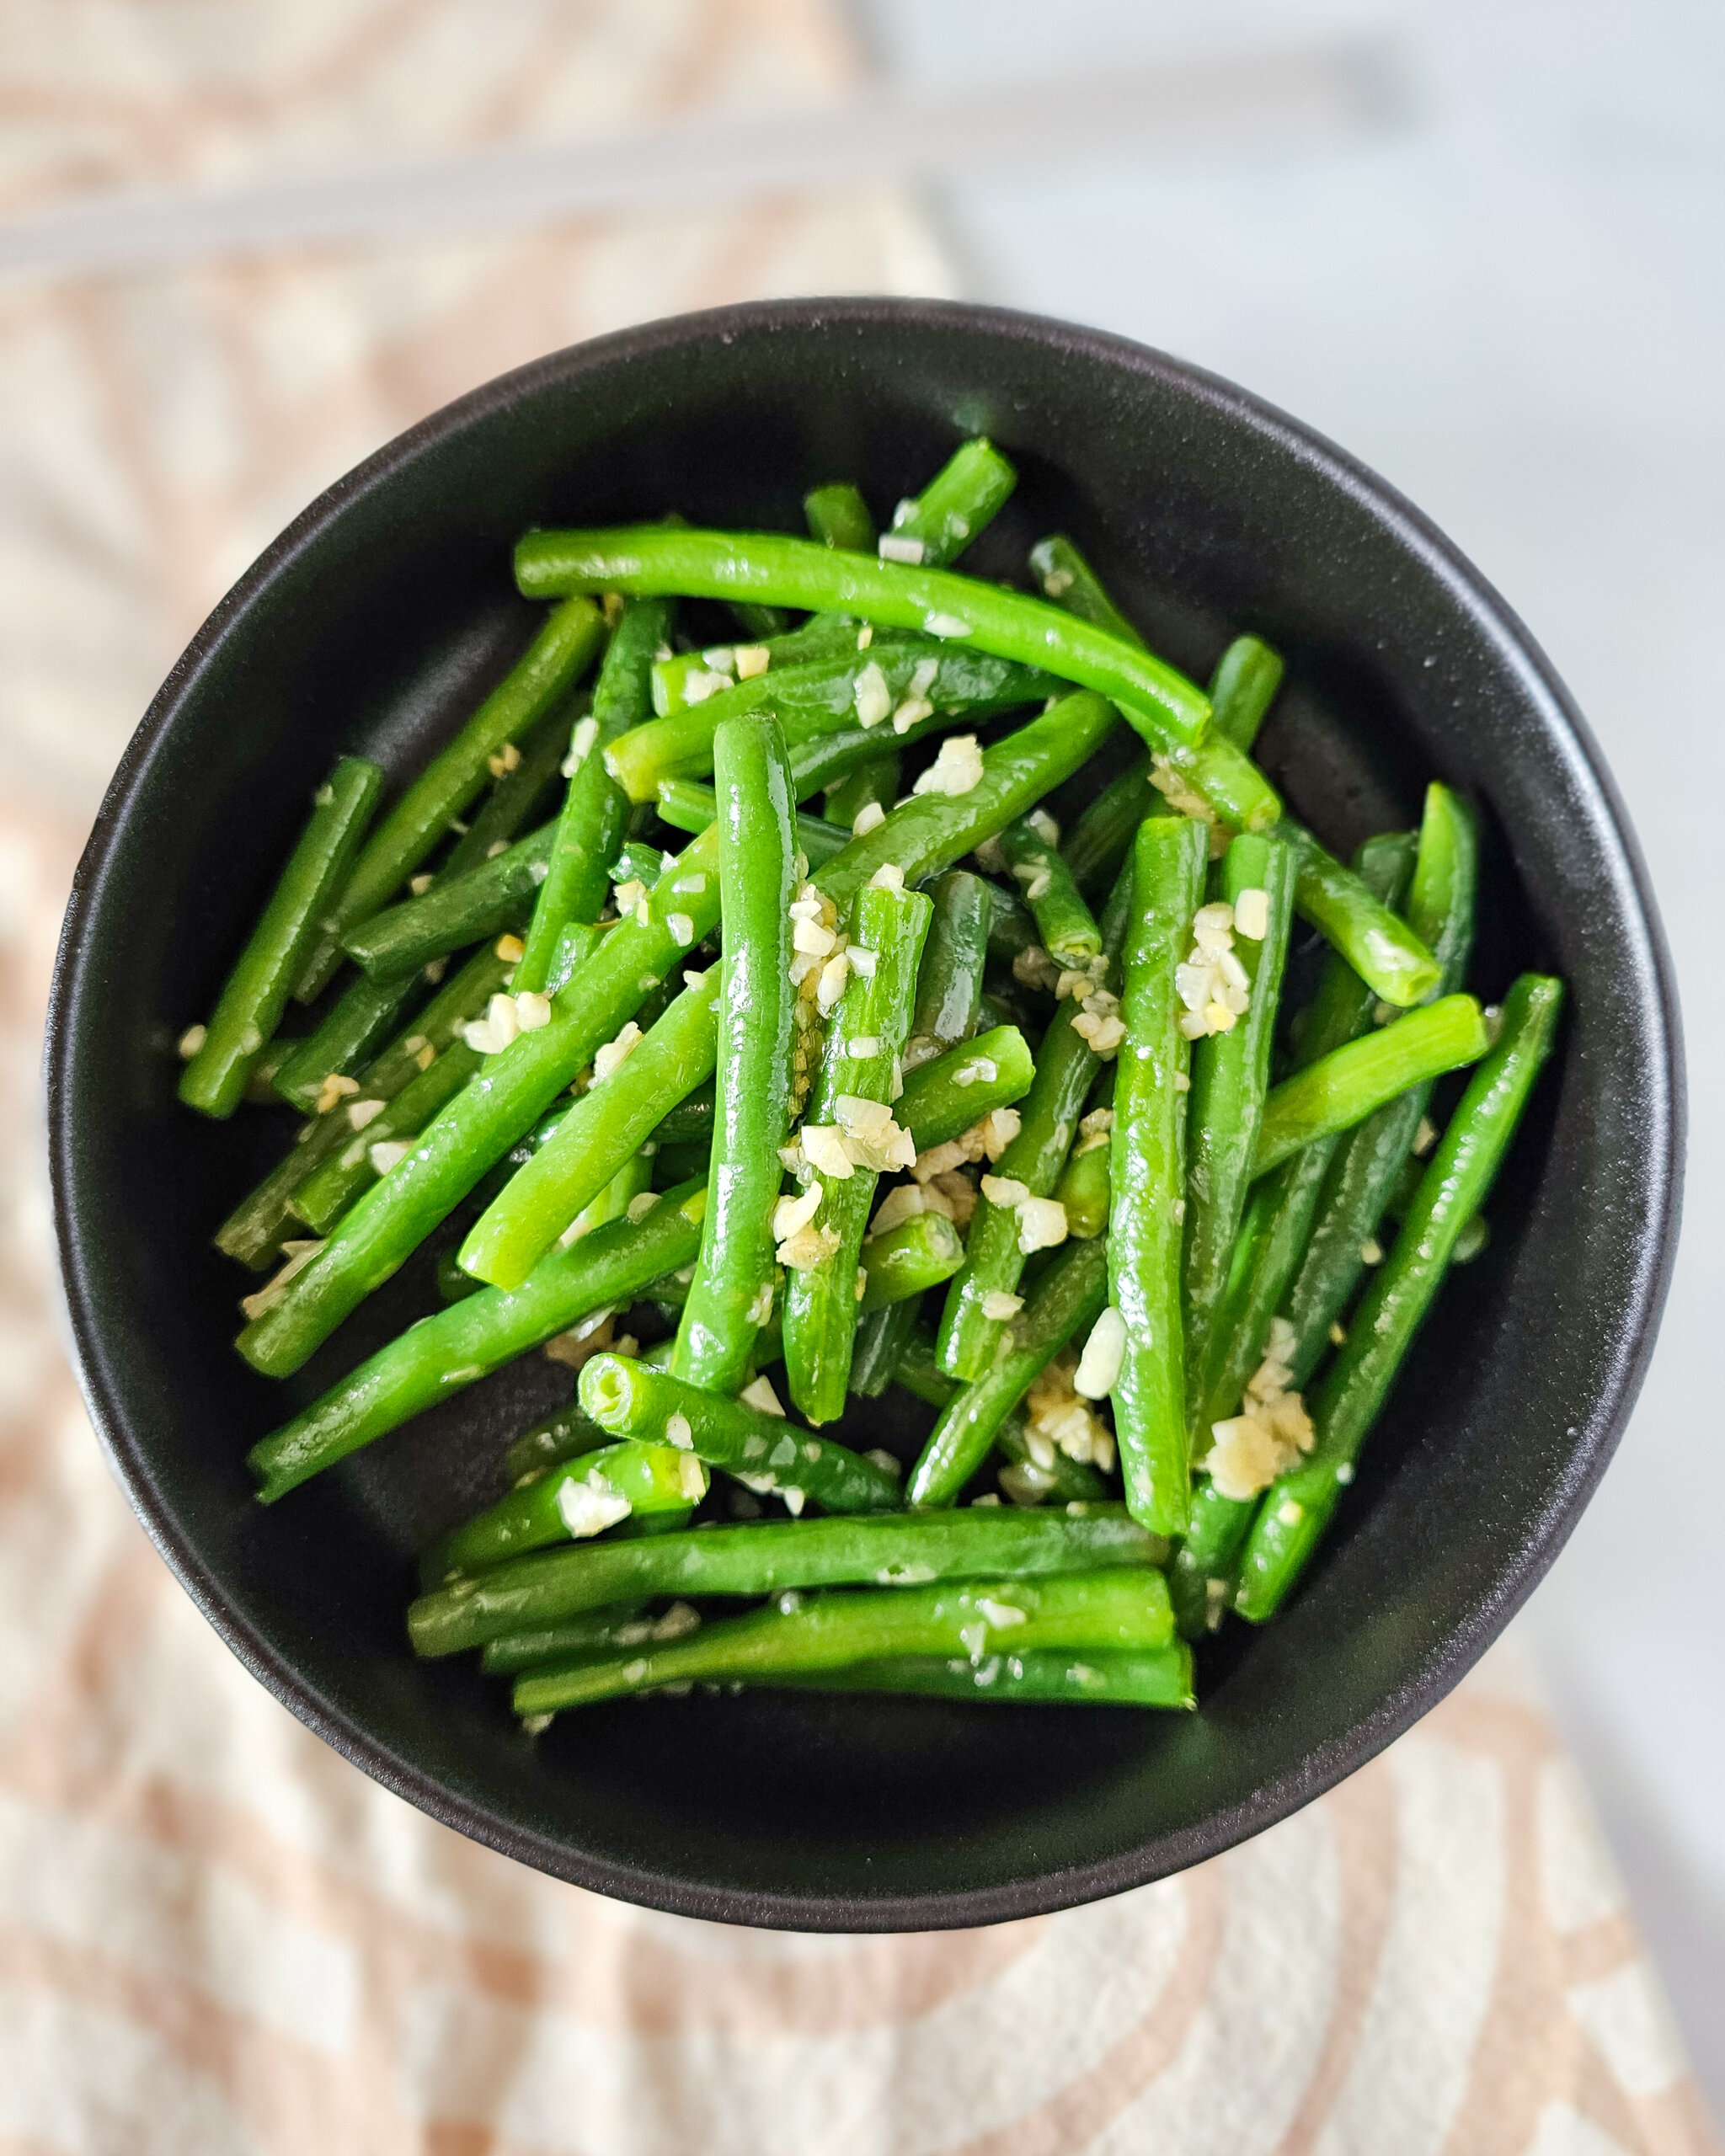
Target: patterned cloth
216,1937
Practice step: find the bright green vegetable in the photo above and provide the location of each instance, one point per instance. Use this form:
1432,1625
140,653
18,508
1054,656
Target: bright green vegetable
496,895
883,1334
965,494
1348,1084
686,805
759,1448
594,1138
1166,707
757,1008
907,1261
589,1494
560,653
1160,1677
1296,1511
872,784
851,1108
945,1097
1243,689
1064,925
1066,1301
838,517
1381,948
1147,1174
1082,1190
594,808
458,1345
250,1006
322,1198
880,1549
1230,1076
1120,1609
950,979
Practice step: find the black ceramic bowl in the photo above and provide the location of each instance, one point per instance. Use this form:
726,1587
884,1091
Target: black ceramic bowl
373,624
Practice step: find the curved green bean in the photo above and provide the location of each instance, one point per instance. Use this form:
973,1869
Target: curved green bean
592,1492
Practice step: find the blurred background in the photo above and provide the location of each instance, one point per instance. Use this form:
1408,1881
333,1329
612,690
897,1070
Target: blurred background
1478,244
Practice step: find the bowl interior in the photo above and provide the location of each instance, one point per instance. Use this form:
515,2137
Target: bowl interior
374,625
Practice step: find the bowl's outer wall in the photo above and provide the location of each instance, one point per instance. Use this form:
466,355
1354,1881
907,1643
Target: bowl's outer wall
371,625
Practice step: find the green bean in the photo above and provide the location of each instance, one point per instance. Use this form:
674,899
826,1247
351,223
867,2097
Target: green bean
825,760
760,1449
1011,928
1037,1472
1243,689
883,1335
552,664
456,1345
757,875
518,796
768,1557
253,1230
689,677
950,979
482,1122
1120,1609
346,1037
919,1372
1440,907
1066,927
1381,948
838,517
1147,1174
945,1097
250,1006
322,1198
623,1627
1099,843
964,495
576,942
1473,1237
1083,1188
594,1138
1352,1082
908,681
800,572
1159,1677
1066,1301
1296,1510
564,1434
872,784
1229,1077
859,1065
496,895
686,805
1031,1163
591,1493
907,1261
1065,576
594,808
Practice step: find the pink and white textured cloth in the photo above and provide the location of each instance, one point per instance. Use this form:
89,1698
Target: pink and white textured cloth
216,1937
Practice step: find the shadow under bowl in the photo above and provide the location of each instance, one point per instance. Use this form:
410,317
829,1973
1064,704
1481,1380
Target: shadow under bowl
373,624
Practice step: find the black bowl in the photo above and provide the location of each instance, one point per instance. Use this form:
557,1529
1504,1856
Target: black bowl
373,623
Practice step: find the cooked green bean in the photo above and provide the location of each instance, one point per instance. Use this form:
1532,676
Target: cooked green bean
964,495
1003,1234
872,784
1082,1191
462,1343
883,1335
758,1449
564,1434
1243,689
1267,1252
1147,1174
616,1114
689,677
250,1006
1121,1610
1065,577
1296,1511
1230,1075
345,1037
554,662
907,1261
1348,1084
945,1097
756,1035
950,979
879,1549
594,808
1159,1677
1066,1301
851,1108
908,681
801,573
686,805
521,798
1064,925
592,1492
1440,907
484,1120
486,900
838,517
322,1198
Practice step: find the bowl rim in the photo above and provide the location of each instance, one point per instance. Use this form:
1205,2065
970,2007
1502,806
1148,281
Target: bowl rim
1646,962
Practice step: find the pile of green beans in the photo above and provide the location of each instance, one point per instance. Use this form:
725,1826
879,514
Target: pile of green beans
744,1032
